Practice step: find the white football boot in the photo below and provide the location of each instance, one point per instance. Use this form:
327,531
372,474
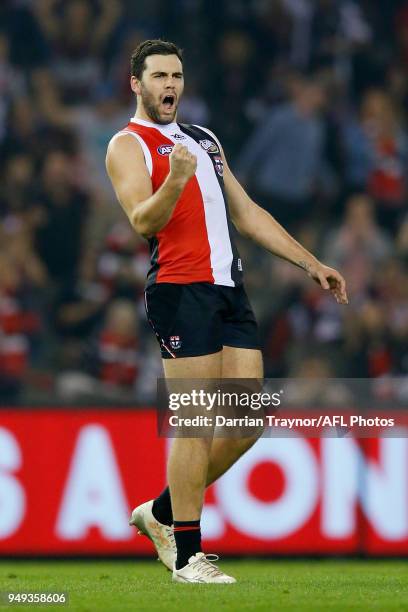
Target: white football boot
200,569
162,536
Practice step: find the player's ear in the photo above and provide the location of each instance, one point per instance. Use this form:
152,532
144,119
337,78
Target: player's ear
135,85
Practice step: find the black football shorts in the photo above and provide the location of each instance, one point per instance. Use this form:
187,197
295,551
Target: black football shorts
200,318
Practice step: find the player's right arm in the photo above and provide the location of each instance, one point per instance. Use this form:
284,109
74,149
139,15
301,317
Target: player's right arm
148,212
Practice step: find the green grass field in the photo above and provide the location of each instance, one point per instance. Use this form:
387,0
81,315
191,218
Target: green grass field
263,585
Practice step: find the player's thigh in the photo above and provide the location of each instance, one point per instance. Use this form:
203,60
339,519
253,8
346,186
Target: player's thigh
241,363
182,376
204,366
241,355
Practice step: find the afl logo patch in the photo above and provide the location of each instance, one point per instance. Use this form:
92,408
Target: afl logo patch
209,146
219,166
165,149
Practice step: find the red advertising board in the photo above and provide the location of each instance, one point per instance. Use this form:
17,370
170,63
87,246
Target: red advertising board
69,479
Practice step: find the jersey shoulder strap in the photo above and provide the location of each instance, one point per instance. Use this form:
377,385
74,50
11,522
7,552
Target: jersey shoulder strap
208,141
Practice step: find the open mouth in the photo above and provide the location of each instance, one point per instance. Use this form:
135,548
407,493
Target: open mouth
169,102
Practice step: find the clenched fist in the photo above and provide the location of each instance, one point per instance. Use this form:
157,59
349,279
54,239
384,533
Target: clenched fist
183,164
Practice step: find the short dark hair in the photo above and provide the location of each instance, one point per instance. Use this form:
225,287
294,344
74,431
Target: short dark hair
151,47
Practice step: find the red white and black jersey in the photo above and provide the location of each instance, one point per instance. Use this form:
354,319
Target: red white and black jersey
196,244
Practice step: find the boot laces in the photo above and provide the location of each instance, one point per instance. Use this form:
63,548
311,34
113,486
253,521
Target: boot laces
205,566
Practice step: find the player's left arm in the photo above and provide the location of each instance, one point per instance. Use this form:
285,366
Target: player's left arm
256,223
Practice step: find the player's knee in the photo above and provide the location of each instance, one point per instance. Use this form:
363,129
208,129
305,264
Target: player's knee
247,443
244,443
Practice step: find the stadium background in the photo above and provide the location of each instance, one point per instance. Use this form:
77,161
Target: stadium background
310,102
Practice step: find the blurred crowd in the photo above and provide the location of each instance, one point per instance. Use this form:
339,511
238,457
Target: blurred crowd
308,97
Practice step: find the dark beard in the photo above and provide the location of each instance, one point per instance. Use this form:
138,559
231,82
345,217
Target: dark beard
151,108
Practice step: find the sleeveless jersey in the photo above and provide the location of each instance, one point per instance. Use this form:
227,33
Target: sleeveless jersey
196,244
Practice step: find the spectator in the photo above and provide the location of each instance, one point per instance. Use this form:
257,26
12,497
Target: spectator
236,74
282,162
376,155
27,46
336,28
118,346
62,212
18,184
368,342
110,364
119,65
193,108
80,306
18,323
391,284
123,263
78,37
315,385
359,245
24,130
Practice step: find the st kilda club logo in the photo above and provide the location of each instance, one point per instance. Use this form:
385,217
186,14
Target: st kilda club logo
175,342
209,146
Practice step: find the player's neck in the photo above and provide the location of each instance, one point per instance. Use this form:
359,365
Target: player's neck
142,117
